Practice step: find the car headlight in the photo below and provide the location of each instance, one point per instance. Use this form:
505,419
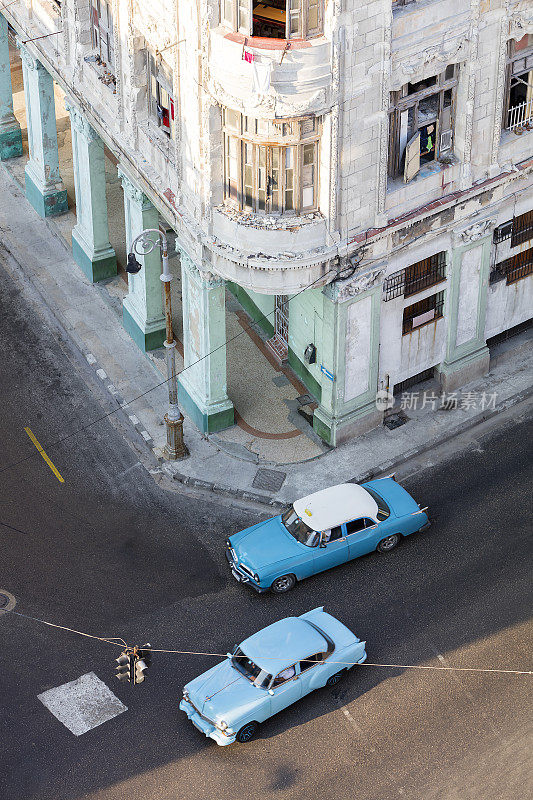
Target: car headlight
222,725
256,578
228,543
185,695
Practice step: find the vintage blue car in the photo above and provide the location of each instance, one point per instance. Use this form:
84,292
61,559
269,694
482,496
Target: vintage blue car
323,530
267,672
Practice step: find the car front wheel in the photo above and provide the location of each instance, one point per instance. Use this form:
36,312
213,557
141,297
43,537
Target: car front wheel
247,732
389,543
283,584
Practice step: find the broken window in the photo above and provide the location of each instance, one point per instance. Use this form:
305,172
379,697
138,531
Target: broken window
161,99
102,32
421,120
274,19
423,312
518,105
271,166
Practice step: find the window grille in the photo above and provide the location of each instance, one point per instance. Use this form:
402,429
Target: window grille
522,228
423,312
517,267
415,278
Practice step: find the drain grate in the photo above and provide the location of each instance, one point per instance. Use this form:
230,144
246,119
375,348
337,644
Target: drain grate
393,421
269,479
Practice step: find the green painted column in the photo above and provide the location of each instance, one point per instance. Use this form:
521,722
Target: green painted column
44,188
91,248
10,134
349,359
467,354
142,310
202,389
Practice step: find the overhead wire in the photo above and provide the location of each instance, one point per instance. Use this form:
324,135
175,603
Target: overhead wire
119,642
124,405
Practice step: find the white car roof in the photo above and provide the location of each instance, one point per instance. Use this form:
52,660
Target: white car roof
335,505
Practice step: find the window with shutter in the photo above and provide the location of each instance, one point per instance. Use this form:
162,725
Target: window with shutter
522,229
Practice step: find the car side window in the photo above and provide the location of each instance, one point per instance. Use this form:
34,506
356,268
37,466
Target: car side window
285,675
332,534
355,525
311,661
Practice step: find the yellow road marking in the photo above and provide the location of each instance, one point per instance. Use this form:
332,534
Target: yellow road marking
41,451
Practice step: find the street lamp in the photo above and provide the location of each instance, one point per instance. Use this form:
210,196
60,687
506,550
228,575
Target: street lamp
143,244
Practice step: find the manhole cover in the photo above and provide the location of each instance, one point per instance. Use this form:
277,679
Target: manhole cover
4,600
269,479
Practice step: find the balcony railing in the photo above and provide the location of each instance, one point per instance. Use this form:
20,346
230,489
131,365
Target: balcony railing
416,278
520,115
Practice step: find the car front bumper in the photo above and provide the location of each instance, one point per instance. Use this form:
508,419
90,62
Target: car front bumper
240,576
204,726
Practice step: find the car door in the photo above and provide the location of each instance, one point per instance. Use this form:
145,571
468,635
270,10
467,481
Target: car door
332,552
362,536
310,669
285,690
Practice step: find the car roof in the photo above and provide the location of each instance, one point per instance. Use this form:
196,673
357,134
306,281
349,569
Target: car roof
283,643
335,505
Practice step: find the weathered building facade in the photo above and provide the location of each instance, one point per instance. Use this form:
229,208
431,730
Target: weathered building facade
359,174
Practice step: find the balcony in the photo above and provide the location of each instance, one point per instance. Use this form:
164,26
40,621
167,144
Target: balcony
299,73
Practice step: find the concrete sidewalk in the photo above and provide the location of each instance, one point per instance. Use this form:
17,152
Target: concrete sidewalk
91,314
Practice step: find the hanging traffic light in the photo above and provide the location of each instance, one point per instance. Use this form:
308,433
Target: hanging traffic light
124,669
143,659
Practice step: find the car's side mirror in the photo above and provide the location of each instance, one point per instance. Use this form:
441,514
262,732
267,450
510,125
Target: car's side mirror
271,691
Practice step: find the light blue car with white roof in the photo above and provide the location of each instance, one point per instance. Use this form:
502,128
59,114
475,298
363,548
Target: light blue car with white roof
323,530
269,671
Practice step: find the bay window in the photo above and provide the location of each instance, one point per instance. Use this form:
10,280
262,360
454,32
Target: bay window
271,166
274,19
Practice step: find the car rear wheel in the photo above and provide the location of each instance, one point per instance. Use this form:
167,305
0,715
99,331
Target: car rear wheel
389,543
247,732
335,678
283,584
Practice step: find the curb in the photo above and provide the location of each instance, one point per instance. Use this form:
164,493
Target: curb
123,404
243,494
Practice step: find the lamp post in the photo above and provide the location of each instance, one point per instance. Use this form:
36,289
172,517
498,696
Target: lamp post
143,244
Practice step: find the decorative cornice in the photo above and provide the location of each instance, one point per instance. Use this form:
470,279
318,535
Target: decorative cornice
434,56
344,290
476,231
520,23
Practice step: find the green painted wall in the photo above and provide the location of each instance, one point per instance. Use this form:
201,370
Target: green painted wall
259,307
305,327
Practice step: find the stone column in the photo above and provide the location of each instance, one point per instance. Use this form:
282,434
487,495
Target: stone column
349,360
467,355
142,316
91,248
44,188
10,134
202,389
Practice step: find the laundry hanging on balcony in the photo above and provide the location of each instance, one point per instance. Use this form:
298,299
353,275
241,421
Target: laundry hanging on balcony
261,77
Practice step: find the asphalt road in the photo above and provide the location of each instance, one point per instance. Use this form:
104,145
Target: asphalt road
110,552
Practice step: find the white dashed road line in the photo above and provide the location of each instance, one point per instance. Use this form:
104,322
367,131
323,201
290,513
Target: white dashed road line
82,704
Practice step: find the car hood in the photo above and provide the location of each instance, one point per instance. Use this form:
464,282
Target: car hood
222,693
265,544
394,495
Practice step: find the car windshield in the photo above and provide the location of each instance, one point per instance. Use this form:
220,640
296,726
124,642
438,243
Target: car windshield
246,667
297,528
383,509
